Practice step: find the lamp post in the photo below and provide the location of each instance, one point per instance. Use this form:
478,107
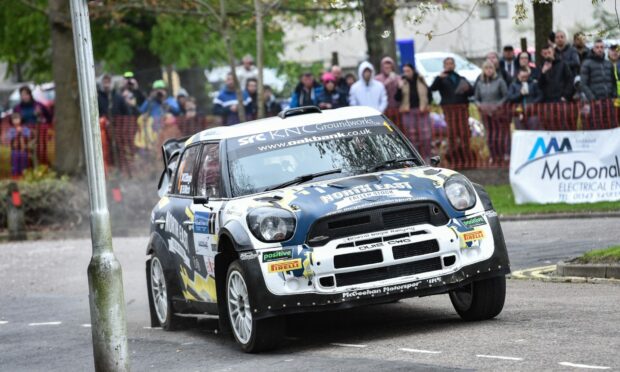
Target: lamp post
107,303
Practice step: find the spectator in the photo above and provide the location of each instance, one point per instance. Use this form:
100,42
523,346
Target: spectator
341,82
350,80
226,104
598,84
455,91
307,92
272,108
414,98
159,104
131,83
597,79
390,81
247,70
19,137
494,59
251,108
131,104
490,94
331,97
453,88
555,78
614,58
190,108
567,53
509,63
182,98
32,112
524,89
525,62
367,91
110,103
579,42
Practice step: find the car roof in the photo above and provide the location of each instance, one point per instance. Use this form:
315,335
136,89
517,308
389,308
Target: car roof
275,123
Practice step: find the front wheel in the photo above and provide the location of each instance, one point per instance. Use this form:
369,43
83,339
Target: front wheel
480,300
253,335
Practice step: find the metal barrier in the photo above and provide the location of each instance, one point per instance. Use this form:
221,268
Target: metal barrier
464,136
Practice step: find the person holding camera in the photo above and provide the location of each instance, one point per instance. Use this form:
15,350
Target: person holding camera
158,104
131,84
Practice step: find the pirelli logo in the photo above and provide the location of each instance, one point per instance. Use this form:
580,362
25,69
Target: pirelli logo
472,235
288,265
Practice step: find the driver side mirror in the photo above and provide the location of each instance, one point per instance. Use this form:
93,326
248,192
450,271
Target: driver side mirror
201,199
435,160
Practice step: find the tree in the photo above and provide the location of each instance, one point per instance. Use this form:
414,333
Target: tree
543,25
379,29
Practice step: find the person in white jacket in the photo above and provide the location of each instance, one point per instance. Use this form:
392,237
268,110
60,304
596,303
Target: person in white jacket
367,91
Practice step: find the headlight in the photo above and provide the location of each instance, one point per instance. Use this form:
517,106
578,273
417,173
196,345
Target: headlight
270,224
460,192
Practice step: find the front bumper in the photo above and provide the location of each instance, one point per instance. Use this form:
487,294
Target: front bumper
267,304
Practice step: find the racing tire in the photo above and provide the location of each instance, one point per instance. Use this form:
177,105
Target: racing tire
480,300
160,299
252,335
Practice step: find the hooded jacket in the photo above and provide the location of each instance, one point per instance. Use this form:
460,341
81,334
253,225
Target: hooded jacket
371,93
390,82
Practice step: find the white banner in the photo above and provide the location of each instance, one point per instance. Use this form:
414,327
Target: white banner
565,167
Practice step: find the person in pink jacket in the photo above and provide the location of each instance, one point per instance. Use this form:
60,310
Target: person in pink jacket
390,80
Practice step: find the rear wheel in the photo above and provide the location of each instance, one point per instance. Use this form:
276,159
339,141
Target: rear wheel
480,300
253,335
160,299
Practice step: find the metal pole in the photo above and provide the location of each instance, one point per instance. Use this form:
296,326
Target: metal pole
498,30
107,303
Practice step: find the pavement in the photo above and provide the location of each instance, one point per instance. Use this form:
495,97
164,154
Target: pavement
44,318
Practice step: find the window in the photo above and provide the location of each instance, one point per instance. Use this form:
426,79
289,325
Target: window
208,183
183,184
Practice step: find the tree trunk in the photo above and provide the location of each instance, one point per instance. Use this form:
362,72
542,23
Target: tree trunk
67,123
258,6
379,20
543,25
231,59
195,82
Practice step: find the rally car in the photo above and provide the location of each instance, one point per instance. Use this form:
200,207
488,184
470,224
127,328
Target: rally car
313,211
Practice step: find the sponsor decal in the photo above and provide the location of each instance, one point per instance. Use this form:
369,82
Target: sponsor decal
490,213
399,241
346,198
370,246
175,229
471,236
383,290
247,255
277,255
204,223
473,221
281,266
378,234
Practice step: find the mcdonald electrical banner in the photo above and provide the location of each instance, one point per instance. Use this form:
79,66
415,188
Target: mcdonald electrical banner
565,167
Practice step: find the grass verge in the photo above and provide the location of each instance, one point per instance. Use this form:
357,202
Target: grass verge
607,255
504,203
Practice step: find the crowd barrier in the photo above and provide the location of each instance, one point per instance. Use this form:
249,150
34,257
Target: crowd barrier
465,136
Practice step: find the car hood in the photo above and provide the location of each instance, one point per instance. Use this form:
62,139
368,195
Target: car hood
310,202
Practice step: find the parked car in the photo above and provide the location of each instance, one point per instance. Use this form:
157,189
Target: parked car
314,211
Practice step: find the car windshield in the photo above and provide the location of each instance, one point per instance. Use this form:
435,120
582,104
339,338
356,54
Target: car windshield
264,160
435,64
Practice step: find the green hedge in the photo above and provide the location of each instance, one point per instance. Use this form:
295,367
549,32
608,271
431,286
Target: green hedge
49,202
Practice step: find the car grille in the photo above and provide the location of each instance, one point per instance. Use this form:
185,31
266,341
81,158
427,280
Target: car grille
388,272
415,249
358,259
374,219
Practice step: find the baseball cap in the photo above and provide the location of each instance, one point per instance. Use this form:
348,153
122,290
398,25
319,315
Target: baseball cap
159,84
128,75
328,76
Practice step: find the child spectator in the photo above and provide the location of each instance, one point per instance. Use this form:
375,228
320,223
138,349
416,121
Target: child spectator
19,137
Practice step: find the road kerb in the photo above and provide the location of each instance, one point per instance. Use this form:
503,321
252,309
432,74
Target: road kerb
545,274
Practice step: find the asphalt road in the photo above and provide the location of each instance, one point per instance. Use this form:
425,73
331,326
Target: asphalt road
44,318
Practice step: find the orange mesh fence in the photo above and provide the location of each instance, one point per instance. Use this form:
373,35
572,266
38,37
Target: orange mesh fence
462,135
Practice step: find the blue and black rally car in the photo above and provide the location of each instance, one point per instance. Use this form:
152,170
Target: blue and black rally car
314,211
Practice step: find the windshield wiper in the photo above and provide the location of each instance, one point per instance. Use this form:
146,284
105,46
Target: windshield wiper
384,164
304,178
